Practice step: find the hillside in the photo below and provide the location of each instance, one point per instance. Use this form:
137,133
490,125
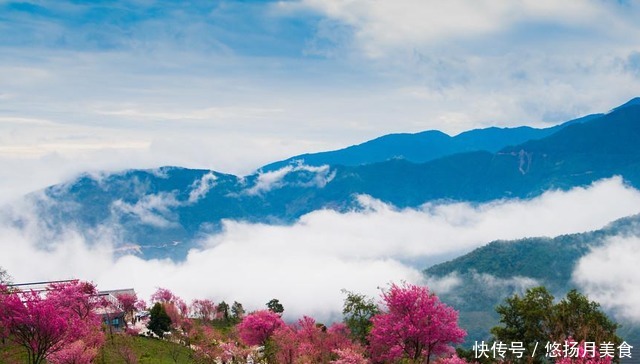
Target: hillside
501,268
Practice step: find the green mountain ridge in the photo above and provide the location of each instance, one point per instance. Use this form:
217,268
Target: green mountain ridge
490,273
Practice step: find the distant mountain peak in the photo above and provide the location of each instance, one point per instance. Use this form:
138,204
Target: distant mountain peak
633,102
418,147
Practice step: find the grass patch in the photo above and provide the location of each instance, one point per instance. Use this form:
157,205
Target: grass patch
121,348
11,353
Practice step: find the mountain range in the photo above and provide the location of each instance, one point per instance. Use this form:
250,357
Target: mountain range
425,146
164,211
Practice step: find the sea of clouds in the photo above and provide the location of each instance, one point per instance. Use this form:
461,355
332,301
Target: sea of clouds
306,265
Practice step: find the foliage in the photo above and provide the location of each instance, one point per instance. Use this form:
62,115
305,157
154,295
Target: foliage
455,359
415,326
526,319
58,326
309,342
177,312
350,355
207,341
534,318
275,306
163,295
77,352
237,311
204,310
159,322
470,356
232,353
223,311
357,311
127,303
582,355
141,305
257,327
580,319
212,346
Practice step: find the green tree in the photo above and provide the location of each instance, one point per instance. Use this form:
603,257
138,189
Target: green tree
525,319
237,311
535,319
159,322
577,317
223,310
357,311
275,306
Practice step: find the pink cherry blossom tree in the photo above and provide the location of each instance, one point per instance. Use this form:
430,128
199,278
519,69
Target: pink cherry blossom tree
33,323
455,359
231,352
127,303
141,305
163,295
203,309
258,326
206,342
350,355
178,312
582,355
415,326
81,351
59,325
175,307
310,342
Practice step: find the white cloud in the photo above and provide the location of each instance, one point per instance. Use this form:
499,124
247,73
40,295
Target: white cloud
305,265
385,26
519,283
201,187
447,228
441,285
609,275
267,181
154,209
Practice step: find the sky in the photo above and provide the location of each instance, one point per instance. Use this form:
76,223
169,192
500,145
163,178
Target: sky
233,85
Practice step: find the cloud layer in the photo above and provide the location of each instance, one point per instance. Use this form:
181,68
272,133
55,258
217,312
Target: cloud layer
380,27
305,265
609,275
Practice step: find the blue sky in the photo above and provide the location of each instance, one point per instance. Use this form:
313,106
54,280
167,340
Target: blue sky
232,85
